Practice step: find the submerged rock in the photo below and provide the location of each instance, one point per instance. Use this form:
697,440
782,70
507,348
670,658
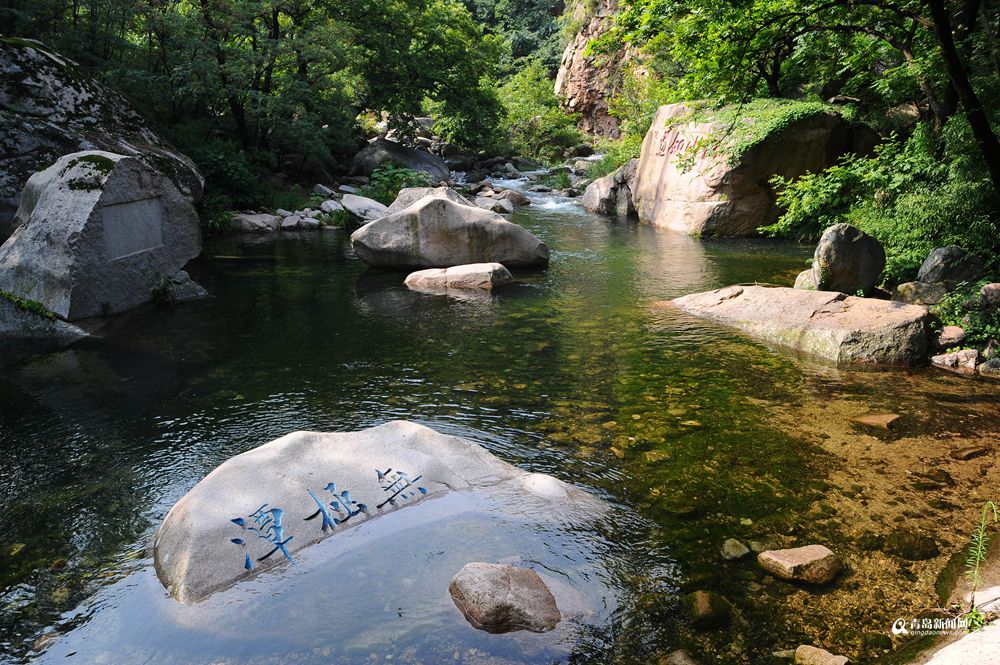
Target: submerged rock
499,598
811,564
100,233
484,276
840,328
733,550
381,151
50,108
911,546
847,260
809,655
262,507
438,232
707,610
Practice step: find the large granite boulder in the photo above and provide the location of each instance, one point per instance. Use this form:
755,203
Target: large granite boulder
840,328
410,195
612,194
383,151
950,265
438,232
363,208
263,507
49,108
847,260
99,233
716,197
499,598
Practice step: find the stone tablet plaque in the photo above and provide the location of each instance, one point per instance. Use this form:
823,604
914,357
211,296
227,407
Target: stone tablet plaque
133,227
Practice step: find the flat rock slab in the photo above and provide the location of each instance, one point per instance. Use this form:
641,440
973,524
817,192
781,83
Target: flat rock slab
877,421
260,508
844,329
973,451
499,598
811,564
480,276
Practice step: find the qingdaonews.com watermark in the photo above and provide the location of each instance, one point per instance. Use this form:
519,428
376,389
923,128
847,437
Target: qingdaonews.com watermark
929,626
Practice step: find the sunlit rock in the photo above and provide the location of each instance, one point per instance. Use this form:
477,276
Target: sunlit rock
811,564
261,508
484,276
840,328
438,232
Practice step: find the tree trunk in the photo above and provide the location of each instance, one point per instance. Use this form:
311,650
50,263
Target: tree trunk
978,120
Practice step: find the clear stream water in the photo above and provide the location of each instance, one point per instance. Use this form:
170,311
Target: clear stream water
694,433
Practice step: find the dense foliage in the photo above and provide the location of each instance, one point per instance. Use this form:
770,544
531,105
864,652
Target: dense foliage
249,87
533,122
530,27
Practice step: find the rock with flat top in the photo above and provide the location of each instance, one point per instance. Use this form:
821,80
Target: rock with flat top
949,337
809,655
920,293
483,276
245,222
811,564
840,328
499,598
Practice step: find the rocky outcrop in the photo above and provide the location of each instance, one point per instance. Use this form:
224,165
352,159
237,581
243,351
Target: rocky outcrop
383,151
261,508
437,232
584,84
100,233
499,598
811,564
480,276
840,328
612,194
724,196
847,260
48,109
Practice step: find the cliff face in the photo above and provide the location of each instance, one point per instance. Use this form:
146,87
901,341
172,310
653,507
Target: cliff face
585,84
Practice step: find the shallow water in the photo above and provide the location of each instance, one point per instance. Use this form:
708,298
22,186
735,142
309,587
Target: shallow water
693,432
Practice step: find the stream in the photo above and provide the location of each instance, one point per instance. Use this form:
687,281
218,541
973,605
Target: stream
694,433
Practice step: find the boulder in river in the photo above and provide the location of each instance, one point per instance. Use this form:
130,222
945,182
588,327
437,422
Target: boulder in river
383,151
483,276
22,320
50,108
715,195
246,222
499,598
960,362
811,564
261,508
840,328
810,655
439,233
707,610
101,233
847,260
501,206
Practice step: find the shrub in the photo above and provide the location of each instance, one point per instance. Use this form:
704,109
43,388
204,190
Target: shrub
616,153
913,195
962,308
533,122
388,179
